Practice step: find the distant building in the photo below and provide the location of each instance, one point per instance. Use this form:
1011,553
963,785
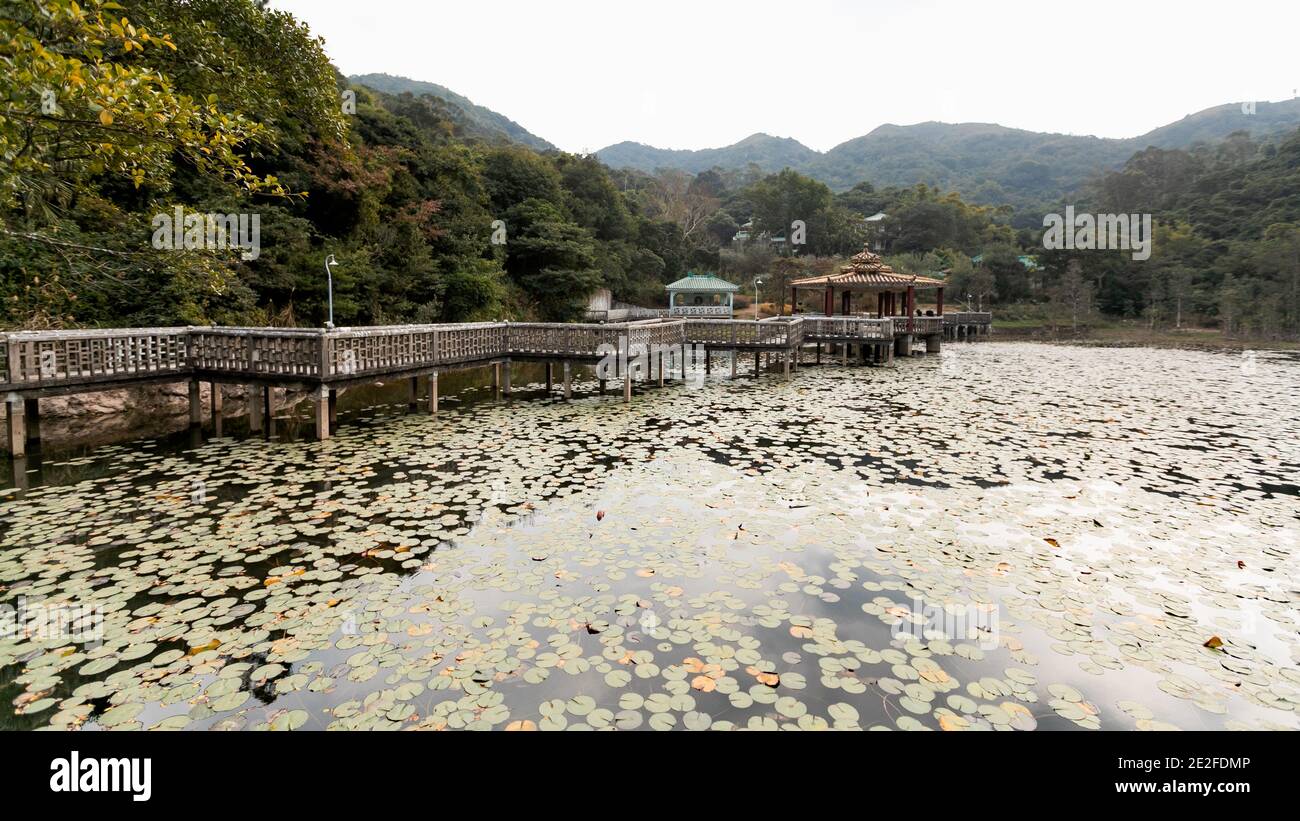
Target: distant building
701,295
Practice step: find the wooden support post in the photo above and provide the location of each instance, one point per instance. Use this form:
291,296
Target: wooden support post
433,393
321,402
933,343
819,353
413,394
268,404
19,472
505,377
334,410
218,407
785,358
844,353
602,388
253,395
496,380
708,362
568,382
32,407
627,386
196,407
757,359
548,377
17,425
660,357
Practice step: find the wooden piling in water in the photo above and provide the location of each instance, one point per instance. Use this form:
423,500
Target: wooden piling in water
433,393
568,382
32,412
196,407
321,404
17,427
253,396
218,407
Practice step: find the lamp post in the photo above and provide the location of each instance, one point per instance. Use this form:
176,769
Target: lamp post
329,275
757,282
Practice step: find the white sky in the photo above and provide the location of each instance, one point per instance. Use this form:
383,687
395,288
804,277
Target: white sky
704,74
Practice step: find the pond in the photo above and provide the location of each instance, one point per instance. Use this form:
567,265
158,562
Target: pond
1006,536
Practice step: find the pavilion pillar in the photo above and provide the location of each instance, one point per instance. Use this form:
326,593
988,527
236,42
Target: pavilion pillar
911,302
568,382
828,303
433,393
938,299
846,302
17,408
794,300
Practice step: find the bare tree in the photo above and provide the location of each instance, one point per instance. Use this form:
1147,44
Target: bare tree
674,197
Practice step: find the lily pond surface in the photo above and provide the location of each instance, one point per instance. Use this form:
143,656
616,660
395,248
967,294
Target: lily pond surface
1006,536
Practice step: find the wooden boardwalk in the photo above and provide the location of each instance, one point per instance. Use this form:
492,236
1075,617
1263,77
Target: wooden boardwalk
36,364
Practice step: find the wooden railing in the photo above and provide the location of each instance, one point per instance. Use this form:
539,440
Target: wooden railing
745,332
848,328
34,359
263,352
968,318
924,325
37,360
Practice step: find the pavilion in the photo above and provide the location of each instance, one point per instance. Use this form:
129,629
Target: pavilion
701,295
867,274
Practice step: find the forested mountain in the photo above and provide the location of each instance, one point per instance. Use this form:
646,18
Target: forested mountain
770,154
482,121
987,164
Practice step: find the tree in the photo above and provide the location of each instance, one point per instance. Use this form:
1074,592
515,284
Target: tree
1074,294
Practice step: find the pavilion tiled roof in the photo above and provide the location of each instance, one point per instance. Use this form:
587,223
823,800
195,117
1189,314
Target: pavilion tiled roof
868,269
702,282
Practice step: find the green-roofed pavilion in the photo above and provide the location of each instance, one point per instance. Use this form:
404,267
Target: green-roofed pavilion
701,295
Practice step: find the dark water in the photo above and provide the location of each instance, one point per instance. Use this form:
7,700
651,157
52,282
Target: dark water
735,554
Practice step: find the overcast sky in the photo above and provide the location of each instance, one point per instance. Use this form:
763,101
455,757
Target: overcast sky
704,74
